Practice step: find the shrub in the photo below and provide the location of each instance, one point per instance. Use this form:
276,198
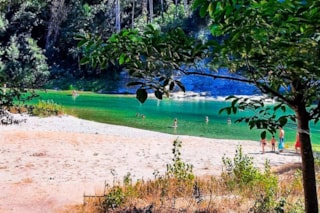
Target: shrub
114,198
179,169
46,108
240,170
242,174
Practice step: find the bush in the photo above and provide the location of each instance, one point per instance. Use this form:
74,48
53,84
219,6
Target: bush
179,169
242,175
46,108
240,170
114,198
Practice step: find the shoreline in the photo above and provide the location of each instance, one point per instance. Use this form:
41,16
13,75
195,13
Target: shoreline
48,163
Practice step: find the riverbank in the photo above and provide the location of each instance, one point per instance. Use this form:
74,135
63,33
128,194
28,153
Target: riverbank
48,163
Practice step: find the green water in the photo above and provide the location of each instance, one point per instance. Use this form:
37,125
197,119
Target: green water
159,115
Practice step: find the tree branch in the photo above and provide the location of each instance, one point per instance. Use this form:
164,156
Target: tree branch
262,87
217,76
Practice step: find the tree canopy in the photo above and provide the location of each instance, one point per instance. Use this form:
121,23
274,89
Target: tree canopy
50,26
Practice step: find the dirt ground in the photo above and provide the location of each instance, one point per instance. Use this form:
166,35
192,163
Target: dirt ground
45,166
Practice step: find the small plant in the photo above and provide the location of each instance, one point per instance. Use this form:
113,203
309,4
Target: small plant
242,174
46,108
114,198
179,169
240,169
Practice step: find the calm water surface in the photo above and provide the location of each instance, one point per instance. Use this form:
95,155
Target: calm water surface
159,115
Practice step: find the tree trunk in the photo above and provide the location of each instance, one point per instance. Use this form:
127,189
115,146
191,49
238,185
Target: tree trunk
132,17
162,8
186,8
308,170
144,9
118,20
176,13
151,10
58,13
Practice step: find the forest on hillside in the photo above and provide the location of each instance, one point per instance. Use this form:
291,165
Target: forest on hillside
38,35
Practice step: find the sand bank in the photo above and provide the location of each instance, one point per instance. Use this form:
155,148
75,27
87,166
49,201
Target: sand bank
47,163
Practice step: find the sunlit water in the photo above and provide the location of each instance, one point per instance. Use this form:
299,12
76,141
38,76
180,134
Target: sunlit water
159,115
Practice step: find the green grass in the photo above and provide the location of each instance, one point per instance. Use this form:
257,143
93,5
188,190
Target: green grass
159,115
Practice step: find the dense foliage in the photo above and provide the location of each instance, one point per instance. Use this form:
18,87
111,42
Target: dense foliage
53,25
37,37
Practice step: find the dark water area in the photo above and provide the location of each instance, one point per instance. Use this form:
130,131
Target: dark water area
198,84
218,87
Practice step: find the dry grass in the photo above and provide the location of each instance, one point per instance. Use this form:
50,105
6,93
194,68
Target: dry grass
205,194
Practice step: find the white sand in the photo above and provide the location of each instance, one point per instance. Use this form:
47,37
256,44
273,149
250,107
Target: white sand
47,163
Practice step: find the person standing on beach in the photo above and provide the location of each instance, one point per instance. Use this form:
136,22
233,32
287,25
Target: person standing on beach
263,143
273,144
281,139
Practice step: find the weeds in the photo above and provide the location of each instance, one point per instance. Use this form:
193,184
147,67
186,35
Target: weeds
241,188
179,169
114,198
46,108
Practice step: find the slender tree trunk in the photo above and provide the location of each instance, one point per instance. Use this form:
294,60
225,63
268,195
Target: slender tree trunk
144,9
176,11
308,170
186,8
118,20
58,13
162,9
151,10
132,17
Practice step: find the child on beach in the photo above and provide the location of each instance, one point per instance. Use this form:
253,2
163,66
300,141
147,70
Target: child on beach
263,143
273,144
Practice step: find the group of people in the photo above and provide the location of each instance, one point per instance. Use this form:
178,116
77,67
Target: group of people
142,115
206,118
281,146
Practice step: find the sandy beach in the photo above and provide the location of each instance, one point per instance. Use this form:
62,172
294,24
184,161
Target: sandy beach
49,163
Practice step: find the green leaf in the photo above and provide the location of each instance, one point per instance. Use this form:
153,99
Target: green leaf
166,82
203,10
181,86
275,108
234,110
79,37
82,43
122,58
84,60
263,134
158,94
171,86
221,110
211,8
283,120
251,124
230,97
141,95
